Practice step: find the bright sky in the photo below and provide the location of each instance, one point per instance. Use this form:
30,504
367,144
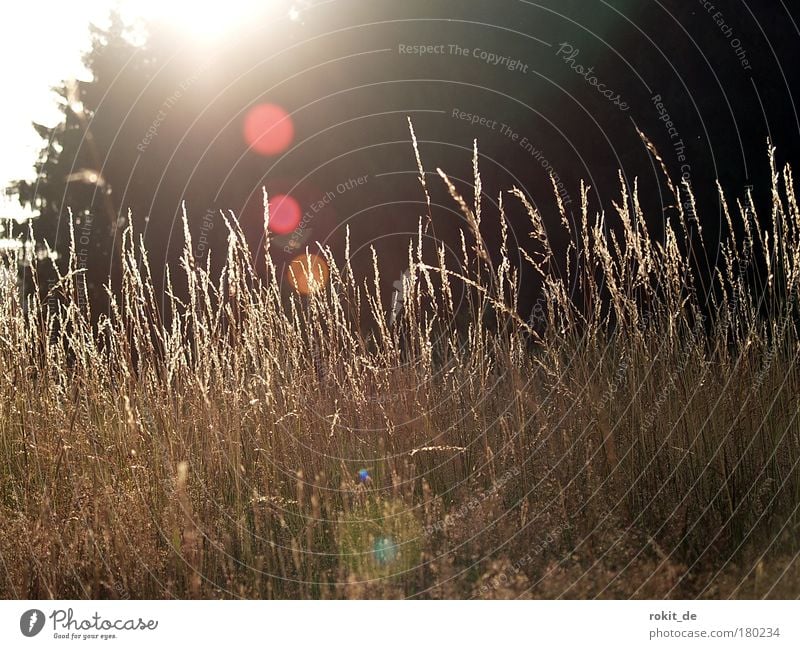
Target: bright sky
41,44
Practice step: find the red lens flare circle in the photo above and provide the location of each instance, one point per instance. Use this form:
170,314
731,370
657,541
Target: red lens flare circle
268,129
284,214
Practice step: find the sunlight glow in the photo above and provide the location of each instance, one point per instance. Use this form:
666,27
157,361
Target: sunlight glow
197,19
50,57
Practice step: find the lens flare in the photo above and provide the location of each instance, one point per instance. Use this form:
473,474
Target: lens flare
308,273
385,550
284,214
268,129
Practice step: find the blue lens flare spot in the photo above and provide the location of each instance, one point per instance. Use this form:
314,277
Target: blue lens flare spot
385,550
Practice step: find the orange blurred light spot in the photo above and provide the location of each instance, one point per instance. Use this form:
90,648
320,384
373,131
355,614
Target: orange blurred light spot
284,214
306,279
268,129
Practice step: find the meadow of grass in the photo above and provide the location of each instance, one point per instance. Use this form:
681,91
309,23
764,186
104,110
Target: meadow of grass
638,437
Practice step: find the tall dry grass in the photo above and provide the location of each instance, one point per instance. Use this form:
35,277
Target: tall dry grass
638,438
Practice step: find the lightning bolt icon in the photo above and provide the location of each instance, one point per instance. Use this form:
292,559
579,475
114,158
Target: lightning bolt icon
32,621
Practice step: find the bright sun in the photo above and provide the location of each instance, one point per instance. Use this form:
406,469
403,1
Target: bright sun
200,20
22,33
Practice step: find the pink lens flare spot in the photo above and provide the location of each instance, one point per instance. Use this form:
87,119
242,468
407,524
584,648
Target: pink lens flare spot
284,214
268,129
